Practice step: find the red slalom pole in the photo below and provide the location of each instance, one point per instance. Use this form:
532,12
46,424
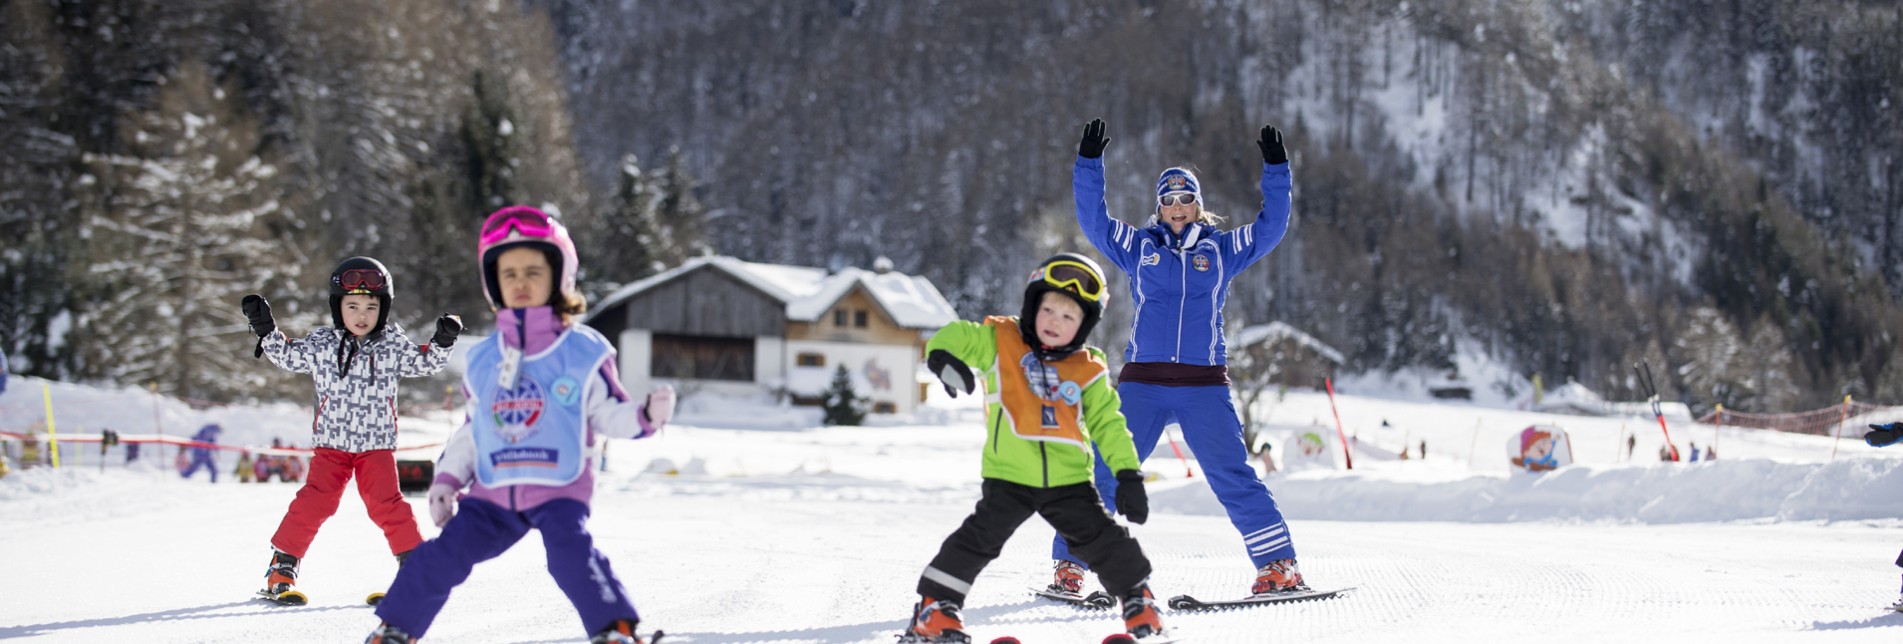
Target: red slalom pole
1652,396
1330,382
1187,473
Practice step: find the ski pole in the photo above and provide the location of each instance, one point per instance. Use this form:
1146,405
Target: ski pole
1330,382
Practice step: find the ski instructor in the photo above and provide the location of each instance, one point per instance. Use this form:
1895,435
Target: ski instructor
1180,265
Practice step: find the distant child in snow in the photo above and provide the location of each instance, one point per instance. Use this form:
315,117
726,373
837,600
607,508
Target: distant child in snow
202,454
1883,436
244,471
543,395
1052,398
355,366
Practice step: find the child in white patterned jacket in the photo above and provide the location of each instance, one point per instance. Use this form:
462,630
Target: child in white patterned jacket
355,365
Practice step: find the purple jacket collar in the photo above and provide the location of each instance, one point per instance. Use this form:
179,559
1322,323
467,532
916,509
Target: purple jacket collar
529,330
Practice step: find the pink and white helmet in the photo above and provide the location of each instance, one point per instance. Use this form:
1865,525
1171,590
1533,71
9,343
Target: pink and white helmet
519,225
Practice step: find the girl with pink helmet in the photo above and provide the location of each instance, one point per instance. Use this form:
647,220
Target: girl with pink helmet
543,393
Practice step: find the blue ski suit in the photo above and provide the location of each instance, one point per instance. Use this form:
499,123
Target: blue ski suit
1178,283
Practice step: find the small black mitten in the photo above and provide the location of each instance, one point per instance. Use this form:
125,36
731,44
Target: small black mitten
951,371
447,328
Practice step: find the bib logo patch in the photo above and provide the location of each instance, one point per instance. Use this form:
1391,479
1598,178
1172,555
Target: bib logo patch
1070,392
1201,262
1151,259
1050,417
566,391
516,410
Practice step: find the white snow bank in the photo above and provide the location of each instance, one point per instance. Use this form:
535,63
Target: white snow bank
1736,490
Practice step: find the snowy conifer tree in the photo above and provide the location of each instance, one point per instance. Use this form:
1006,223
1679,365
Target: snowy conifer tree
179,232
842,404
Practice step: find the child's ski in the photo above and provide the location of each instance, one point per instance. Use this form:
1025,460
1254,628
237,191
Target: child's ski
1119,638
1126,638
1096,599
950,637
1186,602
286,598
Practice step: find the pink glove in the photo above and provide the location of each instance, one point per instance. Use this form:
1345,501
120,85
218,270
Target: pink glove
442,502
659,408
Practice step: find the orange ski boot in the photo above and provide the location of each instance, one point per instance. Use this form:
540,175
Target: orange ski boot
1140,618
1279,576
936,620
280,580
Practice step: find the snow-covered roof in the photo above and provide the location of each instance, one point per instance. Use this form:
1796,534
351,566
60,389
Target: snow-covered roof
912,301
1277,331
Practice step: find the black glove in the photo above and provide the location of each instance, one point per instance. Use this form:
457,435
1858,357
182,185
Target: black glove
1094,141
258,312
447,328
1132,502
951,371
1271,143
1881,435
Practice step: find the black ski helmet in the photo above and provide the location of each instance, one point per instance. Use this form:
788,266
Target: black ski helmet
361,276
1071,274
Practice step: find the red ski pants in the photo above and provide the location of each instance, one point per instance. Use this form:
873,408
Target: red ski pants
317,500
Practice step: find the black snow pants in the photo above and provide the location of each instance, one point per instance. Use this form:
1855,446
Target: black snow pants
1073,510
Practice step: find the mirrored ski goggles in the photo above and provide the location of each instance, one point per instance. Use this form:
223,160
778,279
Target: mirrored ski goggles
529,222
1074,277
360,280
1175,198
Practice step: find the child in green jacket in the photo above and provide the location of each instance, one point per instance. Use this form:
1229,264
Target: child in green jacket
1047,402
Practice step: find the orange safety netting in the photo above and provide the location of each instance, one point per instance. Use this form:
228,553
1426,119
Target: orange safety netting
1820,422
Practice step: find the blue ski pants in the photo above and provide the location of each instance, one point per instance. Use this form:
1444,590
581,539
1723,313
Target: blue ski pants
482,531
1214,434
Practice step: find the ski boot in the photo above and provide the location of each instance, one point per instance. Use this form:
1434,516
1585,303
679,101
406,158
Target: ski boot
935,621
280,580
387,634
1277,577
621,631
1140,618
1068,579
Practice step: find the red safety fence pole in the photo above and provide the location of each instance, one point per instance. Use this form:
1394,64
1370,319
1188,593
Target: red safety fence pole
1330,382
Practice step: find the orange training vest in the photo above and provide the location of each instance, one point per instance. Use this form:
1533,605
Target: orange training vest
1051,409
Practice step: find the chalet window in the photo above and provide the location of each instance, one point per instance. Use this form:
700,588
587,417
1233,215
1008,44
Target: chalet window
884,408
811,360
703,358
859,319
839,317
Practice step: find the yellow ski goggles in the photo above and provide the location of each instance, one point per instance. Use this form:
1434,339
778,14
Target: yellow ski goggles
1072,276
